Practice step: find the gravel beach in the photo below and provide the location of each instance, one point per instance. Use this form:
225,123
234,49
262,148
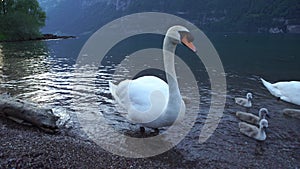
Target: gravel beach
29,147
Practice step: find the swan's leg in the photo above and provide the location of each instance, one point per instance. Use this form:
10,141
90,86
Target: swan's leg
248,109
155,132
259,150
142,129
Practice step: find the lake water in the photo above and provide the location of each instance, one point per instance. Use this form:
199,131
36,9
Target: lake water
45,72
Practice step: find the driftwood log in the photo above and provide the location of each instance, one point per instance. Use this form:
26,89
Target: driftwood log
25,112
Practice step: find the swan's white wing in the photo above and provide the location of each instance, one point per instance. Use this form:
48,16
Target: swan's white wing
144,98
290,91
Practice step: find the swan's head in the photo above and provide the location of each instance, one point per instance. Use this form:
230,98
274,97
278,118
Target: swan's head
249,96
263,124
263,112
179,34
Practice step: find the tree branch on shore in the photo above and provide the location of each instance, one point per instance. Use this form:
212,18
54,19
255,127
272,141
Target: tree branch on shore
25,112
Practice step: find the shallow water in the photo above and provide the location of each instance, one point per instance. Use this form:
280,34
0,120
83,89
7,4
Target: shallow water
46,73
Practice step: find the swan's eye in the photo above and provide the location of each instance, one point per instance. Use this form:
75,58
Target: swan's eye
186,35
186,39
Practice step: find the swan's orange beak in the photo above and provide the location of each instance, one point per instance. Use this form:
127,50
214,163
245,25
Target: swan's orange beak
190,45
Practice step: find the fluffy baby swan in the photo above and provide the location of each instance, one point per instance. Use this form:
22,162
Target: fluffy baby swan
246,102
254,132
292,113
251,118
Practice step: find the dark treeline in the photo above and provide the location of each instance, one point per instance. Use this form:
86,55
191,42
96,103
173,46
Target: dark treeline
209,15
20,19
230,15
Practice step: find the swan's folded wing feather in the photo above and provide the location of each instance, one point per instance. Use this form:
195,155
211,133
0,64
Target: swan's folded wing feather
240,100
248,129
141,89
248,117
290,91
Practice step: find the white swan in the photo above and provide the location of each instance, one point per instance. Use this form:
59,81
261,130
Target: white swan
251,118
246,102
254,132
287,91
292,113
150,101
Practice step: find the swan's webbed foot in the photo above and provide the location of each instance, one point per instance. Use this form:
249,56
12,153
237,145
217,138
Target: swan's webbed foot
142,129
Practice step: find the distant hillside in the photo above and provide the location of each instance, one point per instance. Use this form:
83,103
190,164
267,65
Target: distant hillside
84,16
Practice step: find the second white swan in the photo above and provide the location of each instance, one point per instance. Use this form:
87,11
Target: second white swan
287,91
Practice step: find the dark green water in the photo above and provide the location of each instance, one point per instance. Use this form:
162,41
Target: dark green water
44,72
275,57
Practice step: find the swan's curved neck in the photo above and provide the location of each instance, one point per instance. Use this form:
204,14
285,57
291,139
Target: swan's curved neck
260,115
262,132
168,53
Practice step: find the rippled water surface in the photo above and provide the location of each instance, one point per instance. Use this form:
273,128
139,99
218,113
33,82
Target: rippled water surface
45,72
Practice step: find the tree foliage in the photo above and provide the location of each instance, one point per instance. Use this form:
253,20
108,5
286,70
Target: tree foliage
20,19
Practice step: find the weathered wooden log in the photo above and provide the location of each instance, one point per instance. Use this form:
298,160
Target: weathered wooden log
25,112
292,113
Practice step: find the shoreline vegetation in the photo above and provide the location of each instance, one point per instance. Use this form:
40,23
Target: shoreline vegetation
43,37
21,20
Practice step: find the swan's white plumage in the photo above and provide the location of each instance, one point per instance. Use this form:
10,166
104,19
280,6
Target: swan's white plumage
137,97
150,101
287,91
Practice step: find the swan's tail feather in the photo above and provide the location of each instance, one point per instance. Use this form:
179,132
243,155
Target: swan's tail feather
266,84
272,89
186,100
112,89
